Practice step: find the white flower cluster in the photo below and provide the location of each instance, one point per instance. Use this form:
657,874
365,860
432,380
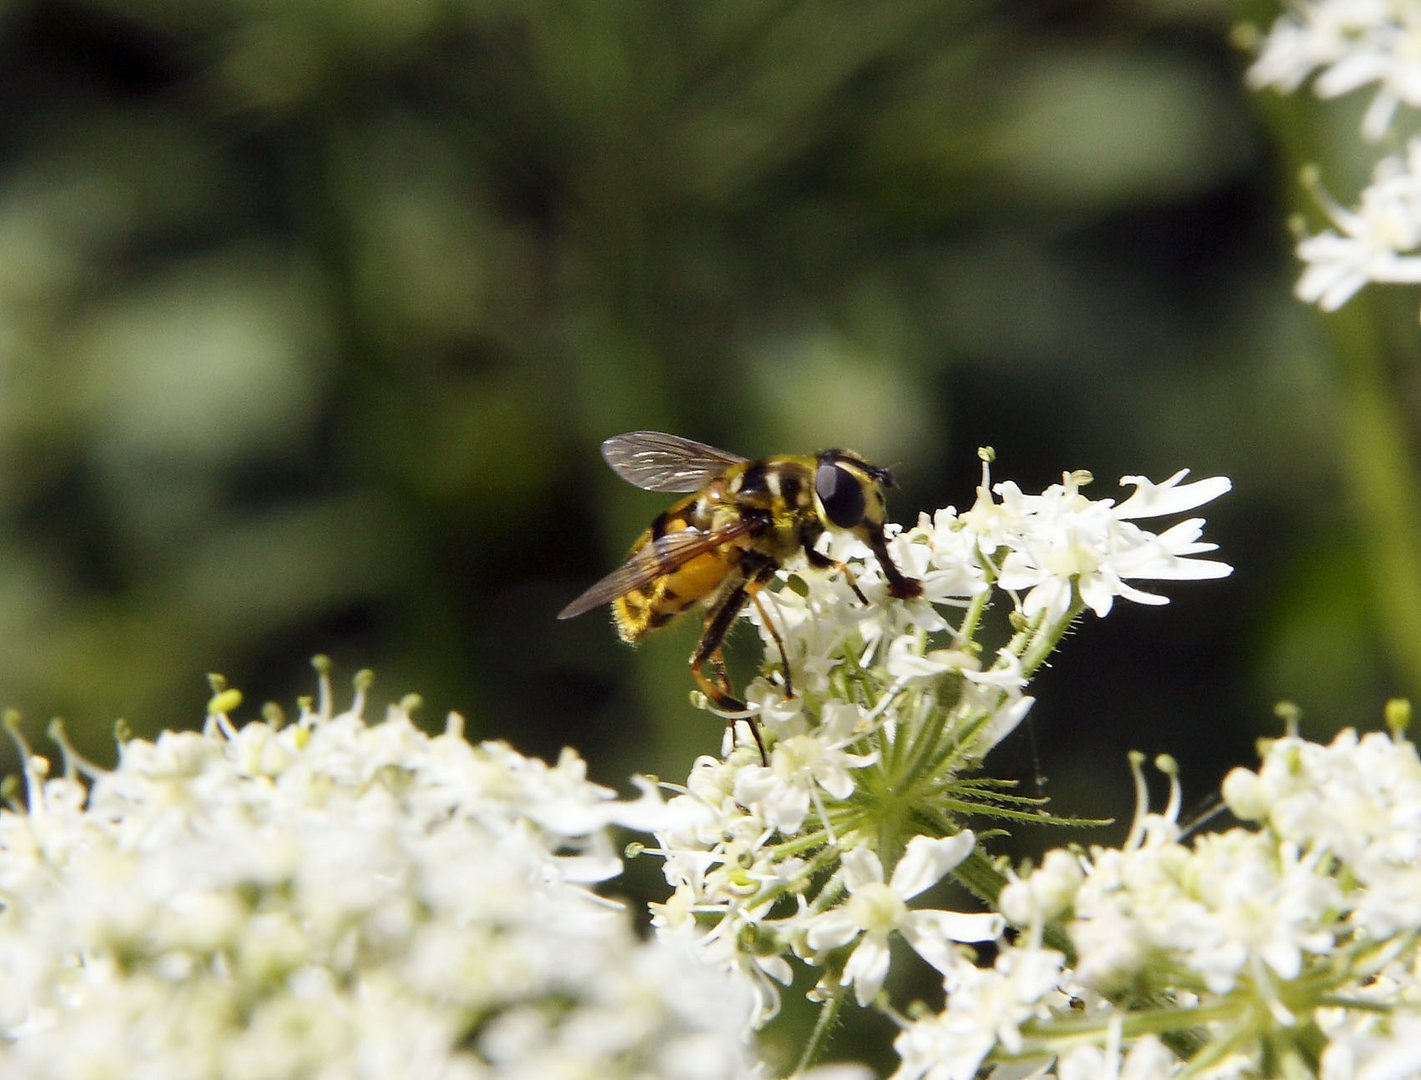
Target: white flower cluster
335,899
1350,44
821,852
1286,946
331,898
1379,241
1347,44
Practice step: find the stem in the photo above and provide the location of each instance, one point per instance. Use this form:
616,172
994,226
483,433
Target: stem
1046,636
819,1038
980,876
1382,472
1376,454
967,630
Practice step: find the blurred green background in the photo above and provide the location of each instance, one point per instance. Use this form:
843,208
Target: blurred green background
313,314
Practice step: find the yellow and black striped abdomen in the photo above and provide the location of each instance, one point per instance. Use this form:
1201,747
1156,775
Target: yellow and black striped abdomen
652,606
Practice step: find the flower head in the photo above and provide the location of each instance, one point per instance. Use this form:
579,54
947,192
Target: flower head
875,909
1064,545
1379,241
332,897
1348,44
819,853
1300,925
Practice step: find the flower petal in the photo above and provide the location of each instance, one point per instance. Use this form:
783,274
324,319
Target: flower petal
862,867
926,860
867,968
830,930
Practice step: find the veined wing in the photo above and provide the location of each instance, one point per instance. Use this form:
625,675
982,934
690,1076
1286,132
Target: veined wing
662,556
657,461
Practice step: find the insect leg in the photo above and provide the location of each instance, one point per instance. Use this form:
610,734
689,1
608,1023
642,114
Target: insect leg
753,591
821,561
717,625
722,677
904,588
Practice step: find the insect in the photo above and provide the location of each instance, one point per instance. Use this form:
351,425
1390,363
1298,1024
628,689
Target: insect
721,545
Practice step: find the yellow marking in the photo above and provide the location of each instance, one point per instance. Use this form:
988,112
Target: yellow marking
643,610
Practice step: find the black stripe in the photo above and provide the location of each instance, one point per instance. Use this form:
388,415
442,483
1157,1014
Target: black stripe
753,480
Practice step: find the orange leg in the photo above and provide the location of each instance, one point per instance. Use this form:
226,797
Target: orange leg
753,590
721,693
823,562
722,676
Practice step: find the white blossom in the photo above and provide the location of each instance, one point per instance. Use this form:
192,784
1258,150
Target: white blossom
803,761
1302,920
986,1008
1348,44
875,910
331,898
1379,241
1066,545
1384,1047
1147,1059
1357,799
1045,894
870,764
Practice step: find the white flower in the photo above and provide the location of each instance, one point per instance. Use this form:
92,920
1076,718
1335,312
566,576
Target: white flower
800,763
1351,44
335,898
1061,543
1046,894
944,554
1358,799
1380,241
1379,1048
986,1007
875,910
1235,904
1147,1059
1260,904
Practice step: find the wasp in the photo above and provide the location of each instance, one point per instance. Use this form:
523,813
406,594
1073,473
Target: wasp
718,547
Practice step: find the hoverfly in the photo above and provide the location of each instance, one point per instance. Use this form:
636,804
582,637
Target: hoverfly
721,545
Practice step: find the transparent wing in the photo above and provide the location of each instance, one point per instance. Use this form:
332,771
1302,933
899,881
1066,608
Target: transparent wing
662,556
657,461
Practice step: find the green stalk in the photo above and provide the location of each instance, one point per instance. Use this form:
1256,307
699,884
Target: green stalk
819,1037
1046,636
1385,483
1377,455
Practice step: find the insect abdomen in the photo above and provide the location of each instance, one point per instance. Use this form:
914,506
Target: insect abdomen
654,605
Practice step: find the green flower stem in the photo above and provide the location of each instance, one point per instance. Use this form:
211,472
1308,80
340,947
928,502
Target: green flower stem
1386,485
1044,636
1378,460
981,876
1045,1035
972,619
819,1037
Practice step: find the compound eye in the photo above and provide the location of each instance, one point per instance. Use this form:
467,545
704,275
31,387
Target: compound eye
841,495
